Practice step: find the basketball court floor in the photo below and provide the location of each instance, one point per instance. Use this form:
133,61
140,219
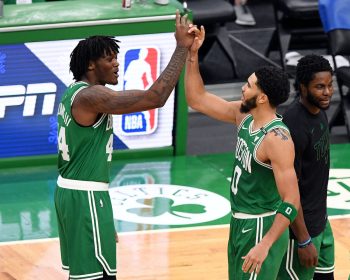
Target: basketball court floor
172,215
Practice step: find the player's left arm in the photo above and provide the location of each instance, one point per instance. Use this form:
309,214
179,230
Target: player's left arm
277,149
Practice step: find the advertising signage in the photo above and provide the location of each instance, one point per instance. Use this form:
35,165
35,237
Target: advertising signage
33,77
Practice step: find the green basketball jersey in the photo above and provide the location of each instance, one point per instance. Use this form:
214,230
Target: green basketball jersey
253,186
84,152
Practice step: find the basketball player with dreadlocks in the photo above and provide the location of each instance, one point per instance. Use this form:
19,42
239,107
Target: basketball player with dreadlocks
310,252
85,142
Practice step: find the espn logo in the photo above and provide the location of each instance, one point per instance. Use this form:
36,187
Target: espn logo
19,95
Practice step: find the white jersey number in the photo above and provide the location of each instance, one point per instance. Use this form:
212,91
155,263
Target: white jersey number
62,144
109,147
236,175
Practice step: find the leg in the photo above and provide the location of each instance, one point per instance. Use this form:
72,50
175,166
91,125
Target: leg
325,266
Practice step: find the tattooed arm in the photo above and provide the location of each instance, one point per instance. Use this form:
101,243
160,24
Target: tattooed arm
94,100
277,149
100,99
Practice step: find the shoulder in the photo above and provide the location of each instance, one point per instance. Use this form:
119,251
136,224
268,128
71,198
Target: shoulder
279,134
278,146
278,140
77,85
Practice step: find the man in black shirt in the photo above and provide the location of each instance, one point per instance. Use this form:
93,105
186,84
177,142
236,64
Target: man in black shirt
310,252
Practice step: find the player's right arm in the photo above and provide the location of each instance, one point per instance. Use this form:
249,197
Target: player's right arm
196,95
97,99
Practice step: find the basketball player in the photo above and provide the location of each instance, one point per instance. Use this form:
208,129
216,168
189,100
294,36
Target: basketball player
311,244
264,191
85,143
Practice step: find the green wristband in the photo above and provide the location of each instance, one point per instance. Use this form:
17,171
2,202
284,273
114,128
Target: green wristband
288,210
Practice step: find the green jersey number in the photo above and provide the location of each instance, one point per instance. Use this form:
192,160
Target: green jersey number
235,178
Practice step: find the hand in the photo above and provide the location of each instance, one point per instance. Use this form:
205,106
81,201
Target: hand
183,38
198,39
255,258
308,256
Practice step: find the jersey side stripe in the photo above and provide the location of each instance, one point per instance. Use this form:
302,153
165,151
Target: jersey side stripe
99,121
98,243
289,262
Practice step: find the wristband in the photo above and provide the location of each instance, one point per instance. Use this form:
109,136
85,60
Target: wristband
288,210
305,243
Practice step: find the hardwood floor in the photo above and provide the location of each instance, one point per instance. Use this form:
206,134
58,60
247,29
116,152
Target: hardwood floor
195,254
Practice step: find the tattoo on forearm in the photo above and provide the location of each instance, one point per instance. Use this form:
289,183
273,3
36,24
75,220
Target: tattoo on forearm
168,79
101,100
280,133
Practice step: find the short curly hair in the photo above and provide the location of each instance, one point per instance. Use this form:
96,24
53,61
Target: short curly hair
90,49
307,67
274,83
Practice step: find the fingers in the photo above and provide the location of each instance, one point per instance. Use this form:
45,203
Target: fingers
202,31
181,20
193,30
177,18
197,33
257,268
249,265
184,19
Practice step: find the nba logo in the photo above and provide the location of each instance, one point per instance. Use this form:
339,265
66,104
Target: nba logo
141,69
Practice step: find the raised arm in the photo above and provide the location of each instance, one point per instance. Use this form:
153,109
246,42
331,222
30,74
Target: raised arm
97,99
196,95
278,149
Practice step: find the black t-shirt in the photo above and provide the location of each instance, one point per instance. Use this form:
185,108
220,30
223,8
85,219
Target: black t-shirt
310,134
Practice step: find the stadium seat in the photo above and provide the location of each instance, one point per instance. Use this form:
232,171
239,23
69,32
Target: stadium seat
298,26
336,23
213,15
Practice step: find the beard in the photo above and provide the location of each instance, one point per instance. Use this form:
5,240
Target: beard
313,101
248,105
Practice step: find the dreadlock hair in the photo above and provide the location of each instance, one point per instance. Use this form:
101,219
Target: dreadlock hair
90,49
274,83
307,67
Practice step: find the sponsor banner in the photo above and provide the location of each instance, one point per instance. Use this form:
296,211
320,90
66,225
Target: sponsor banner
33,77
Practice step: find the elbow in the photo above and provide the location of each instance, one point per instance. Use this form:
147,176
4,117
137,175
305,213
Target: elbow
192,102
195,106
158,102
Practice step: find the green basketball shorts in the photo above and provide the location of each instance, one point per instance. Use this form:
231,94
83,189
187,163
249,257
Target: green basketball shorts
291,267
86,230
245,233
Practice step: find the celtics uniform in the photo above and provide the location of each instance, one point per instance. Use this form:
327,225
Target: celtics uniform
254,201
310,135
83,206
